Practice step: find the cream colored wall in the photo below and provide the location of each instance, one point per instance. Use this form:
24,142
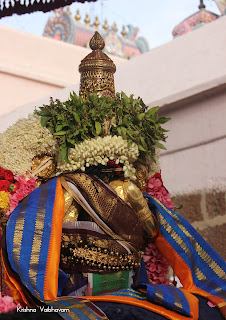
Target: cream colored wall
181,68
196,145
17,91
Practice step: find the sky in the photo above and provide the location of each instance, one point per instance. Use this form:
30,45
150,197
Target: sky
155,19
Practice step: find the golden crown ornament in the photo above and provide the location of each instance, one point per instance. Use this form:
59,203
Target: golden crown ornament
97,71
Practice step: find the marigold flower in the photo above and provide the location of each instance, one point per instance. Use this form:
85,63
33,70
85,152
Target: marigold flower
4,200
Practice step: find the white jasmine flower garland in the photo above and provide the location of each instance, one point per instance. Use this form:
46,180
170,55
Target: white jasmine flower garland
24,140
99,151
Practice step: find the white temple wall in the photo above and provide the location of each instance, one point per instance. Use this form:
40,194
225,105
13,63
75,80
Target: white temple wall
179,69
25,91
196,145
193,166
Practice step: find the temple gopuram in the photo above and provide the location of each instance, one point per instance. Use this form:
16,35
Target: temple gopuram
62,26
196,20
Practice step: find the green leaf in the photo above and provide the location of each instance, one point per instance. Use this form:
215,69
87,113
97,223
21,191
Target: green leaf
144,145
124,97
142,156
163,120
76,119
142,103
126,120
63,153
159,145
59,117
71,141
123,130
75,133
60,133
152,111
44,120
140,116
164,130
178,208
98,127
141,148
59,127
152,156
119,130
93,131
76,116
83,136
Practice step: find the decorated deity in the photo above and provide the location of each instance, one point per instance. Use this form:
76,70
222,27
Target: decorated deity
89,223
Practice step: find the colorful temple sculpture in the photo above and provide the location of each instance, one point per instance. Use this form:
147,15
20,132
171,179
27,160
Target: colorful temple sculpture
196,20
63,27
221,4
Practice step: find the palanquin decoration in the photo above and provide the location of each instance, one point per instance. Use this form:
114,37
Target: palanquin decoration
10,7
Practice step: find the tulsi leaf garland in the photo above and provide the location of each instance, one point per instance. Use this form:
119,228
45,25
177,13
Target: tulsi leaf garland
76,120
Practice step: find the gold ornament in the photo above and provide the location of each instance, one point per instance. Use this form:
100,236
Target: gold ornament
97,71
123,32
77,16
43,166
68,10
141,174
132,195
87,19
114,27
71,208
96,22
105,26
102,258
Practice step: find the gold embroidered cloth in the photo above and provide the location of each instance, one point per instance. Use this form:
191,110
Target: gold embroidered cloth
113,211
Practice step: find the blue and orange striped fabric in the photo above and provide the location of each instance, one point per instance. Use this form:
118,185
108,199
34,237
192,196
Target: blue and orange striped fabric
198,266
182,306
78,307
33,238
171,297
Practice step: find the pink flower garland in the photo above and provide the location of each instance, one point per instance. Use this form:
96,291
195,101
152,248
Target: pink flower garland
156,265
156,189
22,188
6,303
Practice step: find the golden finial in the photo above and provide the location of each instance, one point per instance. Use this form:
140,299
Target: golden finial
77,16
68,10
114,27
96,22
87,19
97,42
97,71
105,26
123,32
